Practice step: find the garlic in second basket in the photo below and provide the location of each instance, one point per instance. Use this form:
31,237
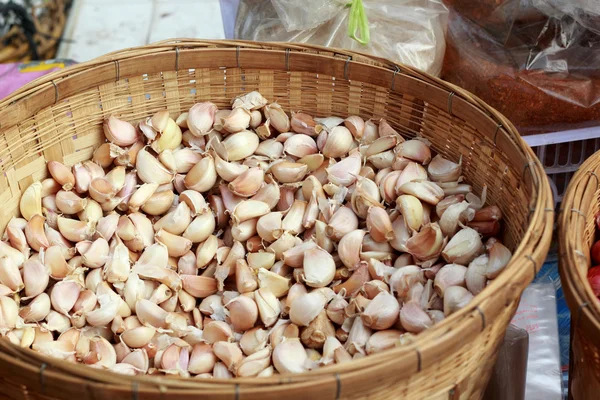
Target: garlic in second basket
243,242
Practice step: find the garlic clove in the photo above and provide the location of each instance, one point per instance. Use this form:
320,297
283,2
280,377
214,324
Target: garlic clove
37,309
318,267
277,117
343,221
499,256
119,132
316,333
289,356
444,170
237,146
202,359
382,340
464,246
415,150
456,297
425,191
288,172
427,243
10,274
199,286
201,117
413,318
30,203
449,275
248,182
217,331
382,312
475,277
275,283
202,176
268,306
412,211
150,169
243,313
305,308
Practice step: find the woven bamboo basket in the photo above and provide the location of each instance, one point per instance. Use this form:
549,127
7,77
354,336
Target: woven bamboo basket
577,233
49,26
59,117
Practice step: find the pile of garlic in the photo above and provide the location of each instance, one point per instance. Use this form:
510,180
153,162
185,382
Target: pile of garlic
243,242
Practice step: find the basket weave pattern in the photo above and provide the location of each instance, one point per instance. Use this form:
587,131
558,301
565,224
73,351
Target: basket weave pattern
577,235
59,117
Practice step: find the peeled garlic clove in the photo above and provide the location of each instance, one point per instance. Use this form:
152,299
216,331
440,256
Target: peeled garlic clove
499,257
464,246
443,170
260,260
30,203
318,267
169,139
455,298
289,356
345,172
201,117
381,312
413,318
278,118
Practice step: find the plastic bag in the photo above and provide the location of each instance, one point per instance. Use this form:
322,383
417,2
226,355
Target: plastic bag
536,61
537,315
406,31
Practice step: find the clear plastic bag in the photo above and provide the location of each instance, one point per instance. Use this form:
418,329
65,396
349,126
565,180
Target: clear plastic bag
406,31
536,61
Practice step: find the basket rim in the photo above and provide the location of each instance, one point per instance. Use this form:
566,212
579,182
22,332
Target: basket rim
577,201
480,312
